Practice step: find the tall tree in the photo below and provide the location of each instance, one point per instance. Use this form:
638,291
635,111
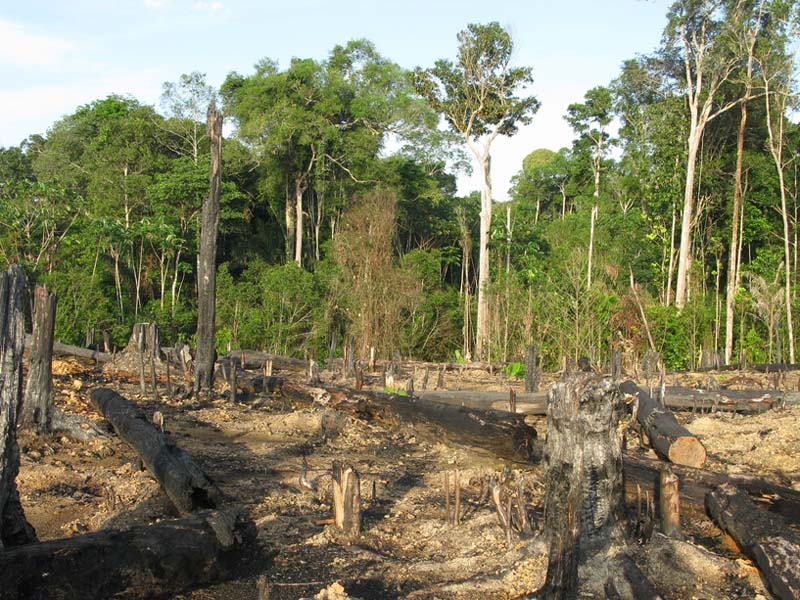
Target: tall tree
590,120
478,96
777,66
692,38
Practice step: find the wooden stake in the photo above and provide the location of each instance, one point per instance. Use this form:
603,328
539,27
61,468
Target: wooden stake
457,498
372,359
268,368
447,495
139,328
512,400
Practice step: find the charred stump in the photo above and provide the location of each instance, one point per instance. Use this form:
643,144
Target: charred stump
584,499
14,527
37,407
182,479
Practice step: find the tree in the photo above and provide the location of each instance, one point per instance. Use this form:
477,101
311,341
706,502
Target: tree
590,120
692,37
478,97
185,103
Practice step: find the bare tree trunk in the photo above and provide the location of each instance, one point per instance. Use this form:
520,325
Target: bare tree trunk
591,246
482,324
37,407
299,189
14,528
671,268
207,275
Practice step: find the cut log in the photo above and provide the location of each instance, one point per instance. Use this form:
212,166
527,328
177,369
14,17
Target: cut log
739,401
695,484
185,483
764,537
676,398
142,562
60,349
669,439
504,434
14,527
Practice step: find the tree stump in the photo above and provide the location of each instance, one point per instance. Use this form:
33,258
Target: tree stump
14,527
346,499
584,500
37,407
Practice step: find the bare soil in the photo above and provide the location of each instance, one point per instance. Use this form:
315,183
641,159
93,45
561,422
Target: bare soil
258,450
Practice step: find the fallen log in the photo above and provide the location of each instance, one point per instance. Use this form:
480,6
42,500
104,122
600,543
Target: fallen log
764,537
502,433
141,562
676,398
696,484
253,359
185,483
739,401
60,349
669,439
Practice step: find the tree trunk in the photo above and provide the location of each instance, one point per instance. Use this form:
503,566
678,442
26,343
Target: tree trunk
763,536
668,438
584,498
685,244
299,189
207,275
184,482
145,561
591,246
37,408
482,324
14,528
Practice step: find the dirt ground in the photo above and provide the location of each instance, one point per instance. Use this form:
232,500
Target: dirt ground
274,459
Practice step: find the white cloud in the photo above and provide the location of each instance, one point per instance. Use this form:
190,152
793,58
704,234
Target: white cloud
210,7
21,48
37,108
156,4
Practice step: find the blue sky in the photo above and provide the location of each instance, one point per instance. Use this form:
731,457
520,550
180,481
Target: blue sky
56,56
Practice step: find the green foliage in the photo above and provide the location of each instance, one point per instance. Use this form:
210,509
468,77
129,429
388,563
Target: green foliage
516,370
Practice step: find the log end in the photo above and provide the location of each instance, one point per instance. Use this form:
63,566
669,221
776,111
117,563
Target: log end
687,451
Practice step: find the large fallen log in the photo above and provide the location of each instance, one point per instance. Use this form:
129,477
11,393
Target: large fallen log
185,483
676,398
142,562
669,439
502,433
60,349
764,537
696,484
739,401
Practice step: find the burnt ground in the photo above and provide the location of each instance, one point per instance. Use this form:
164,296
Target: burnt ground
258,449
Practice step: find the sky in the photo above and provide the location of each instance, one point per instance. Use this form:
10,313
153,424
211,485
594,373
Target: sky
58,55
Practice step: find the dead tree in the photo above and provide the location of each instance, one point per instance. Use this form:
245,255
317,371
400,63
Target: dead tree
37,407
145,561
182,479
584,499
206,263
14,527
